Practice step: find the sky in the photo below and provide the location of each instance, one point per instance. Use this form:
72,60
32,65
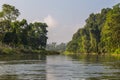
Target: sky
64,17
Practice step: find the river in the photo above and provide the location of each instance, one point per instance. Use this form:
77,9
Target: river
59,67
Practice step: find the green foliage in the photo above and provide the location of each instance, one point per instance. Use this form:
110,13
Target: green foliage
111,30
10,12
100,33
117,51
7,51
16,33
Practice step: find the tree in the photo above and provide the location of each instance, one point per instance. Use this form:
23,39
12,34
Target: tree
14,32
9,12
111,30
100,33
38,35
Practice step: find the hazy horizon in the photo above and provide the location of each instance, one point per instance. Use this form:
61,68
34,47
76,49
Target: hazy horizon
64,17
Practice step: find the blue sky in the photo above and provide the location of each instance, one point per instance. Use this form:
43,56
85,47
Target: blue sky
64,17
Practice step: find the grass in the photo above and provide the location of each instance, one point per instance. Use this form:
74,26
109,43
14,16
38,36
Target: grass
7,50
115,54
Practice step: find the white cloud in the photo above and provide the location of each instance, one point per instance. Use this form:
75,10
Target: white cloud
50,21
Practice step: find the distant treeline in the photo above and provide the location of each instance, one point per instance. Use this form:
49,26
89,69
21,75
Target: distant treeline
17,33
56,47
101,33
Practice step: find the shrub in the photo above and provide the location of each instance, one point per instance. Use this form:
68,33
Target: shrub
117,51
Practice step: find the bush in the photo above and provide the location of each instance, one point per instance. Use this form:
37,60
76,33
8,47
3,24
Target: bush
7,51
117,51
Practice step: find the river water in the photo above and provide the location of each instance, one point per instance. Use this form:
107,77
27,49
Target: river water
59,67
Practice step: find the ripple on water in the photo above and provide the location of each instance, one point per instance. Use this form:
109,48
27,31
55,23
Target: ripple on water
59,68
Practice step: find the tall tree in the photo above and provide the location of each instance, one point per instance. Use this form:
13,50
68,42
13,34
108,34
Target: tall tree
15,32
111,30
10,12
93,37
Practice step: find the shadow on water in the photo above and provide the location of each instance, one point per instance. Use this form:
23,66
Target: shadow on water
22,57
8,77
23,67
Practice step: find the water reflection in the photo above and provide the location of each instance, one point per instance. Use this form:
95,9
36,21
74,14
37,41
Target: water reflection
58,67
100,66
23,67
8,77
86,67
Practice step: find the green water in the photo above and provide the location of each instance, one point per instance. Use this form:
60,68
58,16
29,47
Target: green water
59,67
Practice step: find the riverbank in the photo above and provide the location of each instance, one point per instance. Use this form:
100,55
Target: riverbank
103,54
6,50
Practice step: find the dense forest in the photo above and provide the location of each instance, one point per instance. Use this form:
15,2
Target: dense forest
101,33
16,34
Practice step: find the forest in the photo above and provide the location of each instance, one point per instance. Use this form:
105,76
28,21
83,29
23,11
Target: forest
100,34
20,34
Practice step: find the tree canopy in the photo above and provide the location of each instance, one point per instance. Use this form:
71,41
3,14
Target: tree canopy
18,33
100,33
